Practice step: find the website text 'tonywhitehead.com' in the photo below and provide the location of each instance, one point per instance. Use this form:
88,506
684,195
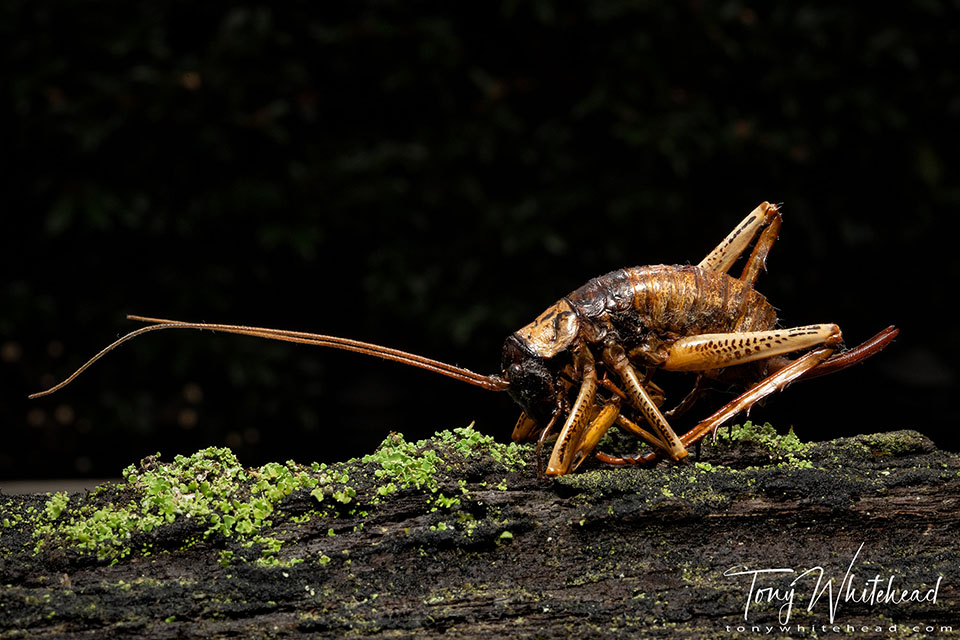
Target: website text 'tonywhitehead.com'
786,589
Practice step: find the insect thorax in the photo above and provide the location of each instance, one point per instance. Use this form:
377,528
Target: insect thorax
552,331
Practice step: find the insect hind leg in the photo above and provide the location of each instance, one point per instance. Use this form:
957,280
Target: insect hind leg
776,382
721,259
718,350
771,384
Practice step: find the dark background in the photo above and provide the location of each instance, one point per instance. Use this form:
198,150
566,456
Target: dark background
432,175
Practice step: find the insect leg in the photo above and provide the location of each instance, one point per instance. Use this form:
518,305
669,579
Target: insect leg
610,386
840,361
718,350
655,392
639,458
737,241
688,400
615,357
630,426
543,438
758,258
572,432
525,430
597,428
757,392
844,359
770,384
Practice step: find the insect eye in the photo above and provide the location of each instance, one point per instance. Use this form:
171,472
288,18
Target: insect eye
514,371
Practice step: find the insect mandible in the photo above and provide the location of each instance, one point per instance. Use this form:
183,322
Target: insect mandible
587,362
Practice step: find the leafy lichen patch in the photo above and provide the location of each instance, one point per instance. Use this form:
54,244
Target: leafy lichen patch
205,495
211,497
784,449
399,464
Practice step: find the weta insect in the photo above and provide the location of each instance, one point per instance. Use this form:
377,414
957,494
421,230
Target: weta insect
586,363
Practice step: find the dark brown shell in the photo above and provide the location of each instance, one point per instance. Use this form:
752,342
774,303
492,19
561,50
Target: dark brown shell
649,308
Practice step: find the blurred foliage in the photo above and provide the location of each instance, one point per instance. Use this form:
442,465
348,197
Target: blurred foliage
430,176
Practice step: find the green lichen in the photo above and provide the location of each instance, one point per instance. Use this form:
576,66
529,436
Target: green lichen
56,504
787,448
210,497
404,465
472,444
698,486
896,443
209,488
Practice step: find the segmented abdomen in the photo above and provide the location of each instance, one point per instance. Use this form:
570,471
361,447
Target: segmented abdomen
666,299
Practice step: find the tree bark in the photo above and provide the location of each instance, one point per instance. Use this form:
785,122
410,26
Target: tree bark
661,552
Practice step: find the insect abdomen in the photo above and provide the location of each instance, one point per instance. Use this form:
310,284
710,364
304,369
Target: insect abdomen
690,300
683,300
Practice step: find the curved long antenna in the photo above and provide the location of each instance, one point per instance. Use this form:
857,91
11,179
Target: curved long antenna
491,383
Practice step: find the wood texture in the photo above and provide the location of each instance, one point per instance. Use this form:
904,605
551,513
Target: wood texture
643,551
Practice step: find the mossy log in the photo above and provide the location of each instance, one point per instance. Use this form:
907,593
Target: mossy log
456,535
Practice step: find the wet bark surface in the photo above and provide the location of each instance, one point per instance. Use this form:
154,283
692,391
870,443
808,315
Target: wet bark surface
484,550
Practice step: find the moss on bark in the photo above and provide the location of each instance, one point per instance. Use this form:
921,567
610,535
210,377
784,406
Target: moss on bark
456,534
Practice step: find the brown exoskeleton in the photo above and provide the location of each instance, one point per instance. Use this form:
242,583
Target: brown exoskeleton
588,360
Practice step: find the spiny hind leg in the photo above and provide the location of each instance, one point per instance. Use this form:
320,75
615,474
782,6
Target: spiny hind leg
771,384
757,261
840,361
758,392
767,217
718,350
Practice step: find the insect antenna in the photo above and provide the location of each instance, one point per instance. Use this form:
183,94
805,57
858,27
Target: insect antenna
491,383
